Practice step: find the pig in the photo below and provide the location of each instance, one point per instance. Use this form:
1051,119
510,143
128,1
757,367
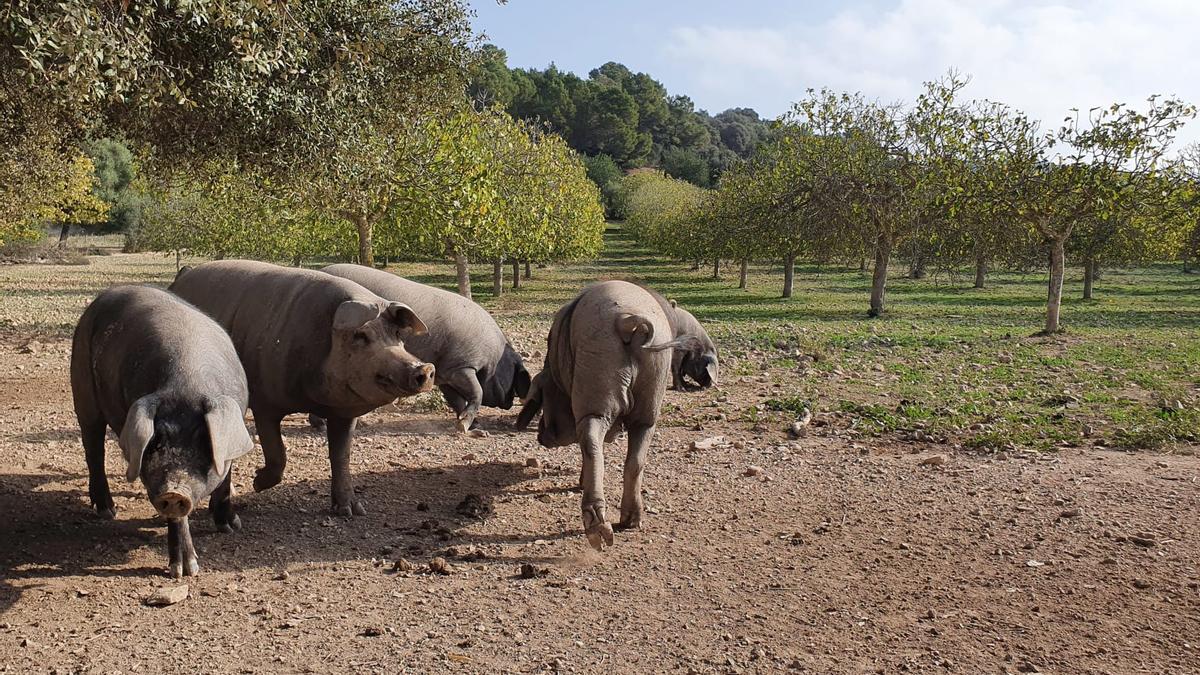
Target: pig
167,380
475,363
310,343
698,362
607,365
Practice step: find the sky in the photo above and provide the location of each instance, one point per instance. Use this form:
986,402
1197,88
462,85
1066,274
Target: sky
1044,58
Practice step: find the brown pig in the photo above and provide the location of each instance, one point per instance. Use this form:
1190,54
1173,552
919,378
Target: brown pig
310,342
608,363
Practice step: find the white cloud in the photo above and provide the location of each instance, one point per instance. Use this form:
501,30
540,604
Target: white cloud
1040,57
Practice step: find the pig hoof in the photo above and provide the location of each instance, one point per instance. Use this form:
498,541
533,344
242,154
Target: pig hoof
600,535
106,512
265,479
230,525
628,524
191,567
462,426
354,508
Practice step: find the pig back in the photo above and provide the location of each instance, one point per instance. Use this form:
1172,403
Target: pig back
461,334
280,320
138,340
608,374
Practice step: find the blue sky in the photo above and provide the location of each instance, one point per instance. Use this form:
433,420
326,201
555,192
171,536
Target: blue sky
1042,57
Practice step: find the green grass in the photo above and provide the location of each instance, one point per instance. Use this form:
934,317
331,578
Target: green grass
946,358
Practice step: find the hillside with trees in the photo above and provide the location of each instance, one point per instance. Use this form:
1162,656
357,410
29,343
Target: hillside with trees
626,116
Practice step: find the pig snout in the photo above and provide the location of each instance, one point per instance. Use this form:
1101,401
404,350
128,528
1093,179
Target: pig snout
409,378
173,503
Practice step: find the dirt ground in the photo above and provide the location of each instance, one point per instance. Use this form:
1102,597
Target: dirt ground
838,556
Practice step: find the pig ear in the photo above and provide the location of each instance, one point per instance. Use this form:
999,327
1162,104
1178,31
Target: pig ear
136,434
711,368
227,432
674,302
352,314
406,318
521,382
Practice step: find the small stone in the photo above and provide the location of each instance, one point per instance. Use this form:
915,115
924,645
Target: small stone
752,470
533,462
933,460
739,445
440,566
530,571
1004,358
1034,563
469,457
477,433
1071,513
422,506
282,576
708,443
371,631
1141,584
402,565
1144,542
167,596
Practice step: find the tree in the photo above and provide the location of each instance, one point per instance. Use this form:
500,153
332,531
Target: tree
604,172
77,203
1101,162
115,174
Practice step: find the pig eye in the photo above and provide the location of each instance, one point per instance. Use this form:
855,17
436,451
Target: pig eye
361,338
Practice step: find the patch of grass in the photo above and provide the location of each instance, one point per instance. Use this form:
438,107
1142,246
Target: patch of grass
945,357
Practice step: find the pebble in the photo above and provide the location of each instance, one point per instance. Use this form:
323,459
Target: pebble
1071,513
708,443
1141,584
533,462
440,566
164,597
752,470
933,460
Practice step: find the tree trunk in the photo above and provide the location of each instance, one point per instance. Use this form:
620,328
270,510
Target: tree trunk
63,233
789,274
980,272
1096,275
1054,296
696,266
516,274
498,277
528,273
462,273
1089,276
716,268
917,269
365,228
742,274
883,253
862,265
178,261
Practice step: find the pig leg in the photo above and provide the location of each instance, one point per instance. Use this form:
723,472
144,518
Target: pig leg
221,507
341,434
635,463
464,383
274,452
591,430
180,551
93,450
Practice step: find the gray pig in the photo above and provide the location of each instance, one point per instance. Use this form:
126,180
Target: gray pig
699,361
606,368
314,343
167,380
475,363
